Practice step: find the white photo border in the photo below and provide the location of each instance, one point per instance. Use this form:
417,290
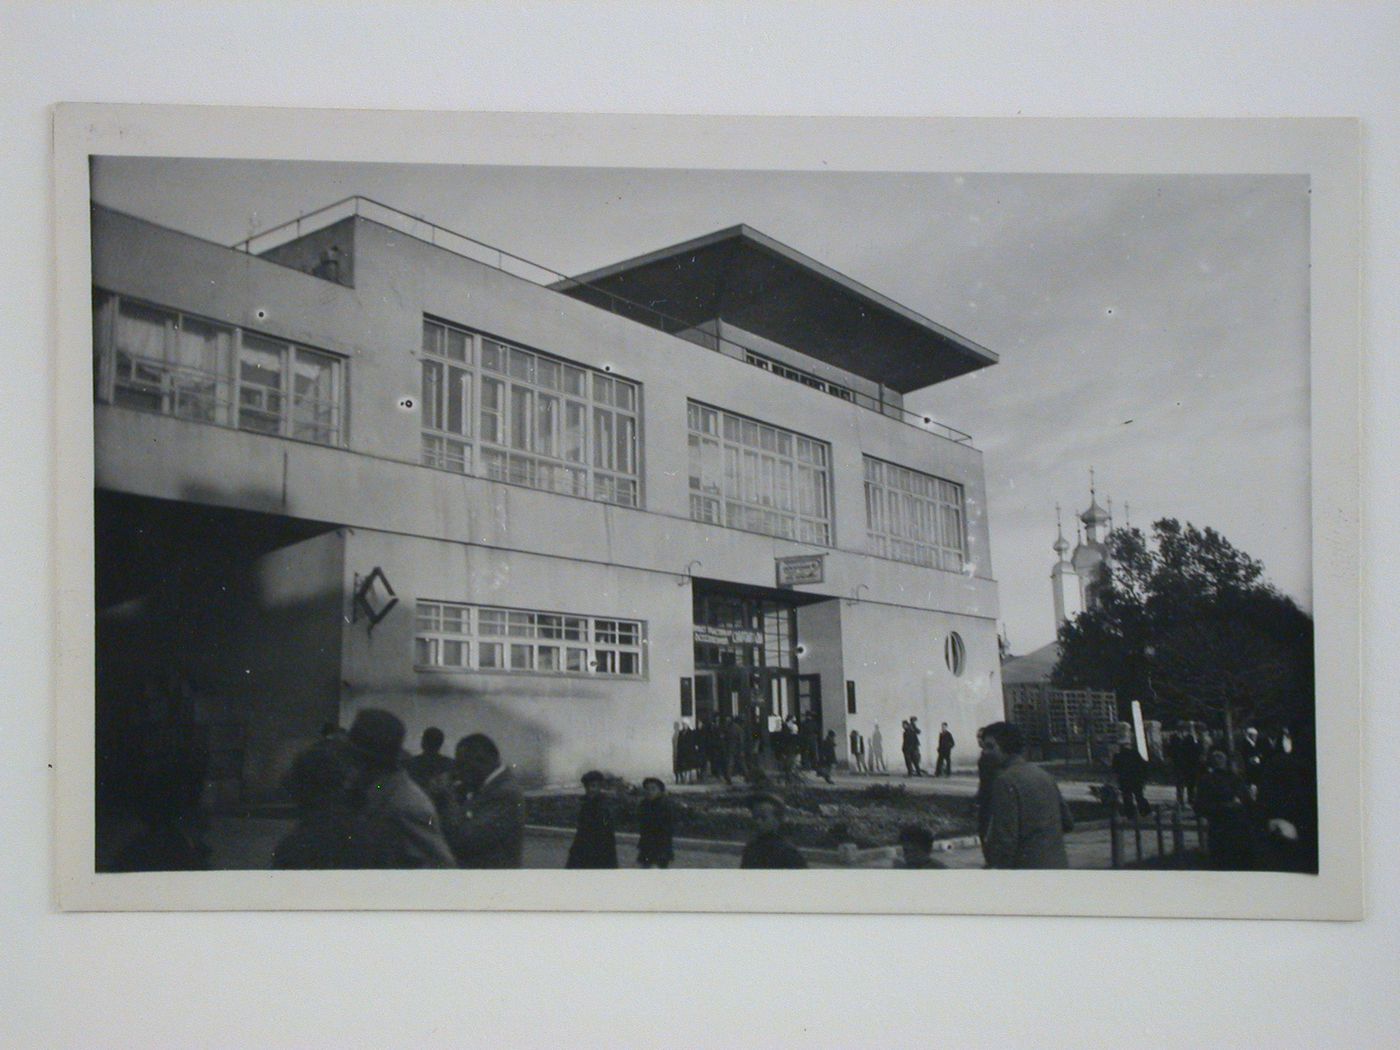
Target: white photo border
1326,150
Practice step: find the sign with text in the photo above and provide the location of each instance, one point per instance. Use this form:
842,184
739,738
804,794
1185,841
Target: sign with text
805,568
728,636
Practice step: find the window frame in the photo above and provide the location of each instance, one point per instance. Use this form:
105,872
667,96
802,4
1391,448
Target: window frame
536,418
901,521
503,640
756,476
227,381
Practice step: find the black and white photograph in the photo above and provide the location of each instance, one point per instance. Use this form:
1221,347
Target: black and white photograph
475,516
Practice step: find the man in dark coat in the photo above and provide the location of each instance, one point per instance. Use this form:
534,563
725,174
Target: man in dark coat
944,765
1253,752
394,812
913,750
656,824
768,848
826,756
1131,770
1028,816
331,833
1184,753
595,842
483,811
1222,797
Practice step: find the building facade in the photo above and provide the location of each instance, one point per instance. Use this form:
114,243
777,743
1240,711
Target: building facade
363,469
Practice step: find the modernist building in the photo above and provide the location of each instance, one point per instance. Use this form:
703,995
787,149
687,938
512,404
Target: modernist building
364,468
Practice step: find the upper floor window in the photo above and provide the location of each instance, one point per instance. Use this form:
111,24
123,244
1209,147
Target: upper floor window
796,374
752,476
529,419
454,636
914,517
177,364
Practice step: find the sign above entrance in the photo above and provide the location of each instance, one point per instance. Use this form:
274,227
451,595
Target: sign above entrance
805,568
728,636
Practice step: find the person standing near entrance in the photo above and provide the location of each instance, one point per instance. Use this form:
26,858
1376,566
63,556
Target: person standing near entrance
877,751
944,765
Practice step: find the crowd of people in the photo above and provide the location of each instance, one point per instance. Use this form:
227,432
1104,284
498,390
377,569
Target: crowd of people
1259,798
363,803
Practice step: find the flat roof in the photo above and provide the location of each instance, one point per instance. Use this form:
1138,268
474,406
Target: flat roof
748,279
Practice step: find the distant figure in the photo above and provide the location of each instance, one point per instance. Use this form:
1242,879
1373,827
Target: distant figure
1028,816
168,803
331,832
944,765
857,752
768,848
1184,754
656,822
431,764
483,811
877,751
987,766
733,747
1131,770
1222,797
826,756
595,842
916,848
913,751
1253,752
396,815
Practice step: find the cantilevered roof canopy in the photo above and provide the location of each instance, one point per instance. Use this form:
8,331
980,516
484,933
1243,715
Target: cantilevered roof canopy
753,282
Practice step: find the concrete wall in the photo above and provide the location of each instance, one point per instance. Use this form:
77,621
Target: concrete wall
819,634
895,657
552,727
378,326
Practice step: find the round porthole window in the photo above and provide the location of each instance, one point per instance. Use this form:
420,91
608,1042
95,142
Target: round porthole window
954,653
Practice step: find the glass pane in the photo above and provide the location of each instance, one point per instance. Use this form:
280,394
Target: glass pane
522,403
432,337
546,425
458,344
432,393
548,656
492,402
603,450
493,355
548,373
459,393
489,656
141,331
454,653
575,380
576,660
575,431
425,652
522,364
522,657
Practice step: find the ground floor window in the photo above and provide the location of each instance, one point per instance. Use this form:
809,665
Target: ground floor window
456,636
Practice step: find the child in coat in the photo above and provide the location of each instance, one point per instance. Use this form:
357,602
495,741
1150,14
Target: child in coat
656,821
595,842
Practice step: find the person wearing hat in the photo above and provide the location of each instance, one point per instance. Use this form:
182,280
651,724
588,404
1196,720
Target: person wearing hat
396,817
595,842
483,811
656,822
768,848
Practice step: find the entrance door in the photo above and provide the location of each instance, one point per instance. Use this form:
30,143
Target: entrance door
809,699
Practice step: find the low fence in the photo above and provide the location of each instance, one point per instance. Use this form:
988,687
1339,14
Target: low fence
1167,832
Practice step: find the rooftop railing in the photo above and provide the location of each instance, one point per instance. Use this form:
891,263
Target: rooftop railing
425,230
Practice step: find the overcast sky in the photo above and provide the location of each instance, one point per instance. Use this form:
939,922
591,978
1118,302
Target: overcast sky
1154,328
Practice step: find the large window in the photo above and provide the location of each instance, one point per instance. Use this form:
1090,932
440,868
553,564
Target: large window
535,420
748,475
914,517
179,365
845,393
453,636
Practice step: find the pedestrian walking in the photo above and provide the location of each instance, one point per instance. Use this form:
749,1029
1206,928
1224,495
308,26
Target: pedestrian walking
877,751
482,808
595,841
1028,815
768,848
857,752
944,765
656,823
826,756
